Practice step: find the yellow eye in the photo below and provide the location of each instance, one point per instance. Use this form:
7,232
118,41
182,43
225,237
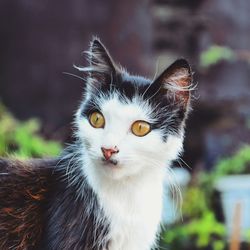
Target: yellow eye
140,128
97,120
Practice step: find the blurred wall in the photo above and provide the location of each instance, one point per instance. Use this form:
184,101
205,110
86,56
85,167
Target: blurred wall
224,88
42,39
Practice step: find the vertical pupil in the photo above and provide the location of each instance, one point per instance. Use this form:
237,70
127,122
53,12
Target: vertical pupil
97,118
140,127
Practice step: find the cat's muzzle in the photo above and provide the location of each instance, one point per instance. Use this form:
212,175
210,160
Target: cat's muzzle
110,161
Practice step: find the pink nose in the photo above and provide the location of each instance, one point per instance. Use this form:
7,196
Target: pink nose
108,152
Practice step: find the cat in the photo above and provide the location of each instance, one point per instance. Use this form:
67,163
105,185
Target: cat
105,191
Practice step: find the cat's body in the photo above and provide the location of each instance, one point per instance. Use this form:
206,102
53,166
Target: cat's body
39,210
105,191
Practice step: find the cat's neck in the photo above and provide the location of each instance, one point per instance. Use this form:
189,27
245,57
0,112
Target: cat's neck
133,206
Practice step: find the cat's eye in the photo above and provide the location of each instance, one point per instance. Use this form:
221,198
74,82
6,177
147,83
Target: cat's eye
140,128
96,119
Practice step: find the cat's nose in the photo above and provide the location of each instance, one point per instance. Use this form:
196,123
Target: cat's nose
108,152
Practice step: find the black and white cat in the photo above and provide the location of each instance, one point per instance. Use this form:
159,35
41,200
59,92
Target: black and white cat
105,191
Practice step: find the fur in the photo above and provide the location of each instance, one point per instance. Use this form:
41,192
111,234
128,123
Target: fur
82,201
23,190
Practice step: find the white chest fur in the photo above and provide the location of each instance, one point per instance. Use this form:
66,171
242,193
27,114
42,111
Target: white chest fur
134,209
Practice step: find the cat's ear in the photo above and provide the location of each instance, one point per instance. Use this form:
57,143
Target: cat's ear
176,81
99,57
101,66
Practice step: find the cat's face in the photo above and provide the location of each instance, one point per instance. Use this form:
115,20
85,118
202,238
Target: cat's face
130,125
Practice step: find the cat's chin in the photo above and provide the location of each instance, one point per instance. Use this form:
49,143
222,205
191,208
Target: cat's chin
116,172
111,165
111,170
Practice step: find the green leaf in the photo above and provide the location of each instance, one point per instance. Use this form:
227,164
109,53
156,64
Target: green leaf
214,54
21,139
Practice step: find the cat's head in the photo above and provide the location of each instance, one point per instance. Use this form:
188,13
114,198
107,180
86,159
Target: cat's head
129,125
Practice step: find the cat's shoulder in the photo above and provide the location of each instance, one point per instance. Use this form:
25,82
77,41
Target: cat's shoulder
31,164
24,187
26,170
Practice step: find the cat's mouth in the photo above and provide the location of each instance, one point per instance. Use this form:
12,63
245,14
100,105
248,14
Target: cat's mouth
110,162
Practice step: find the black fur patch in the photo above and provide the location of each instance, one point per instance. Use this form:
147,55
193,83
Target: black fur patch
73,212
41,210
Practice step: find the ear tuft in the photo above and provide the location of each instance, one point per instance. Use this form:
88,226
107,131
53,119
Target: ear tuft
178,74
177,80
101,69
99,57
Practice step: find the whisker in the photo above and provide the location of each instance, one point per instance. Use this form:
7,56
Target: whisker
175,189
185,163
76,76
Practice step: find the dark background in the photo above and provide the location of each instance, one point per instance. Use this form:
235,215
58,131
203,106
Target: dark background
41,39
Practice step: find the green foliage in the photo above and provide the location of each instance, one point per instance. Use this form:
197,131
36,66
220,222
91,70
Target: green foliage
218,245
214,54
21,139
247,236
191,208
236,164
197,233
239,163
199,228
204,229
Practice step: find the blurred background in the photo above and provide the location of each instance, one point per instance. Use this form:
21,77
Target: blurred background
39,40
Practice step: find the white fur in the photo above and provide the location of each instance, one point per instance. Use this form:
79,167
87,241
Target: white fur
131,192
